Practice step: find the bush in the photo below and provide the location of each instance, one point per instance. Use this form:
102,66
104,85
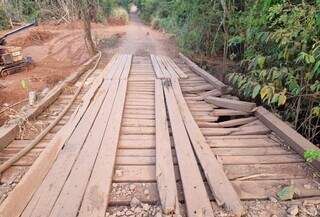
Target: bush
119,16
4,22
195,23
155,23
281,62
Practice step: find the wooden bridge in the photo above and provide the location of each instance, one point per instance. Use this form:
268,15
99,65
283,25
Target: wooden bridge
162,132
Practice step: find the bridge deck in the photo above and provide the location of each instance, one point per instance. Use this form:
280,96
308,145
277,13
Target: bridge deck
158,132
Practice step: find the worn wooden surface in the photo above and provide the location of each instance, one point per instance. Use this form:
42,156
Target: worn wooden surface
126,136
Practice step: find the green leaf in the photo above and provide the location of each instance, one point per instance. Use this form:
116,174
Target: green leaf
275,98
264,92
286,193
282,100
311,155
316,69
261,61
256,91
316,111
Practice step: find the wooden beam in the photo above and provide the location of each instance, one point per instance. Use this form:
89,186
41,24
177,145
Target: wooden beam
211,79
95,199
231,104
45,197
172,64
214,92
219,184
164,163
289,135
197,89
197,200
156,67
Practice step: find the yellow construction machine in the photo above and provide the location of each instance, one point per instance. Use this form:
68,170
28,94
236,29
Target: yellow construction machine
12,59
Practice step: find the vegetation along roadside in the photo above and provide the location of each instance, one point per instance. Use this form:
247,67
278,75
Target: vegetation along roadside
275,43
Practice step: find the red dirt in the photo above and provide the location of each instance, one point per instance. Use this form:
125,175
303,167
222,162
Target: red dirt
56,52
34,37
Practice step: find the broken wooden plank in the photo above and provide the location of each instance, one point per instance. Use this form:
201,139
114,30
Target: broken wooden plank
218,181
229,123
213,92
229,112
289,135
196,197
164,164
212,80
231,104
207,87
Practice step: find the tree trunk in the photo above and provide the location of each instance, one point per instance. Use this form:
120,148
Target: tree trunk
88,37
87,16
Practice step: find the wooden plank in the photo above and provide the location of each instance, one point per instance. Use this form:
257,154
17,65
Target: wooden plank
95,199
147,173
165,70
45,197
126,70
69,199
18,199
136,144
114,67
225,160
212,80
214,92
254,130
166,66
136,152
269,159
176,68
248,190
138,123
156,67
242,143
267,171
138,130
164,164
250,151
218,181
237,122
196,197
198,89
228,112
50,187
263,189
231,104
289,135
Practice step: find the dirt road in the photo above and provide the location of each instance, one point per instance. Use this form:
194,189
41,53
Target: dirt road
141,40
64,50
